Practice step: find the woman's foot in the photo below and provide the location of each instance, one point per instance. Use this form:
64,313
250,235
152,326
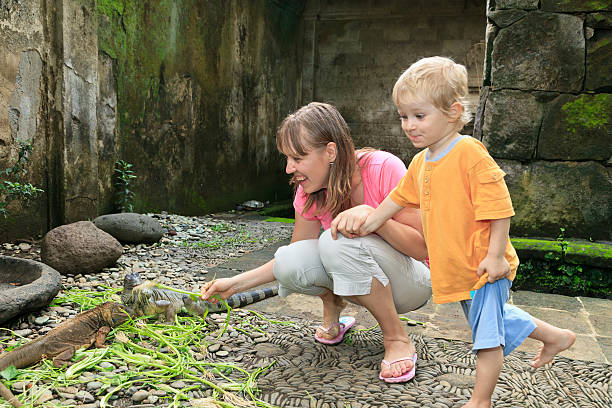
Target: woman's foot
396,349
332,307
564,340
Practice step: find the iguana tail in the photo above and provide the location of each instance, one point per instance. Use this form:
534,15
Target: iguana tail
8,395
241,299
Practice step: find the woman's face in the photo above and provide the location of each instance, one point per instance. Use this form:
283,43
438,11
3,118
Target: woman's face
311,171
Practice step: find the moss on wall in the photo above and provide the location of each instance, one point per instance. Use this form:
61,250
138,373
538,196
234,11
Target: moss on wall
587,112
201,88
575,251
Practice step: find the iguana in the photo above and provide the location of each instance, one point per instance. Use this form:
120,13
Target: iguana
145,298
60,344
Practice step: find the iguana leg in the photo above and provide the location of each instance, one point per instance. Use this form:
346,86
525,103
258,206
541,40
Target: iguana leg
8,395
170,313
101,336
63,357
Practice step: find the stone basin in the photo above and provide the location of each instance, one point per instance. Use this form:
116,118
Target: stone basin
25,286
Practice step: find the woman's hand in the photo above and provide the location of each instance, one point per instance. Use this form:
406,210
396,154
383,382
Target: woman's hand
349,222
223,287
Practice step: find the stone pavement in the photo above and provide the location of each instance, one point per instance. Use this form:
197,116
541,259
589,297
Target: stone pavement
589,318
308,374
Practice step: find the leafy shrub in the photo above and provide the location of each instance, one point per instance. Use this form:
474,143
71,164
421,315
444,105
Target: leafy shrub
555,274
12,187
124,175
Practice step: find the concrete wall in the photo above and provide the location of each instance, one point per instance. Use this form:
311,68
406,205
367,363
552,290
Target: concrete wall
546,113
355,50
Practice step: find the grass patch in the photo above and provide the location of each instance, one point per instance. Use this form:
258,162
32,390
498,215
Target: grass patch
280,219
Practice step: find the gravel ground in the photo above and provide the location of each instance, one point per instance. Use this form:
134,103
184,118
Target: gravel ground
181,259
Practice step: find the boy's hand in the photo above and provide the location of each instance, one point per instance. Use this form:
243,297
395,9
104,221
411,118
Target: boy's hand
349,222
496,266
222,287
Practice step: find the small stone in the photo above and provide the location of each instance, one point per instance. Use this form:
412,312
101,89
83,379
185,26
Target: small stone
222,353
47,395
94,385
106,366
213,348
25,247
41,320
178,384
140,395
20,386
158,393
85,397
23,332
152,399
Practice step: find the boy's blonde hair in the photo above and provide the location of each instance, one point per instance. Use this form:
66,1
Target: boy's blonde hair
438,80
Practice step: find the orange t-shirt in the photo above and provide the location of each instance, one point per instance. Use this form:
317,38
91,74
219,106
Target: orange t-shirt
458,192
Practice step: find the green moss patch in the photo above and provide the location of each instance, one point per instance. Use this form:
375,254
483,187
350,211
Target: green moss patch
587,112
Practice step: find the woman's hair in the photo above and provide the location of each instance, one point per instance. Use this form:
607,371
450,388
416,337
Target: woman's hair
438,80
314,126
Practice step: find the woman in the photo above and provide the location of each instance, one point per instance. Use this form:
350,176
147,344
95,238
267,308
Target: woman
379,271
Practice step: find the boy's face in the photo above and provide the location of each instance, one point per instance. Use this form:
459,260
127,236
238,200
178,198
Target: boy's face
425,125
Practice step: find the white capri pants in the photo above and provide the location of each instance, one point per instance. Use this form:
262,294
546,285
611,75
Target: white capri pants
346,267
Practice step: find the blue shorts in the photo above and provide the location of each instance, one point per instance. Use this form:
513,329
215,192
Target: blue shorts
494,322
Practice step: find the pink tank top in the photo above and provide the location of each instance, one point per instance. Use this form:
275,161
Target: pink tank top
380,173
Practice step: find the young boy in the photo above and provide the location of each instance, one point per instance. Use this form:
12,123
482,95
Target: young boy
466,209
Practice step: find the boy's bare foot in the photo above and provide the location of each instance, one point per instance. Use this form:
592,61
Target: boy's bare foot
549,350
396,349
332,307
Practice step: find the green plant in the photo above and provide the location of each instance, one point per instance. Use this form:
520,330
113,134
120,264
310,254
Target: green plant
14,188
124,175
556,274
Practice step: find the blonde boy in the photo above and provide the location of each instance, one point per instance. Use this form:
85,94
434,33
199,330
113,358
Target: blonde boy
466,209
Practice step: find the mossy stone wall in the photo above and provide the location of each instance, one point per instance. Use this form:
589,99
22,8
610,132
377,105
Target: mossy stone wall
545,113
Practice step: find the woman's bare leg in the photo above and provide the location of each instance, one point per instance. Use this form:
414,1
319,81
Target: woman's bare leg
396,341
332,307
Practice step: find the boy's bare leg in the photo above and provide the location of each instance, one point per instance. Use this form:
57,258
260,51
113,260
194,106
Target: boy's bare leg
488,366
332,307
396,341
554,340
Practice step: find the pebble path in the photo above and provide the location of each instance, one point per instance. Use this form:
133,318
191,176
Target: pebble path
304,373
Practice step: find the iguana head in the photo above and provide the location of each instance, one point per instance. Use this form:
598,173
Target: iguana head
131,280
115,314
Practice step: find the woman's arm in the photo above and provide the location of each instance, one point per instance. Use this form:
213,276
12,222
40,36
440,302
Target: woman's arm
226,287
404,232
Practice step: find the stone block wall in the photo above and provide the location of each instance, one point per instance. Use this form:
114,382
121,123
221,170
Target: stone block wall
355,50
545,112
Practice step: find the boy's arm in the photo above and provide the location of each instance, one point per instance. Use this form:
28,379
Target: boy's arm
495,263
387,209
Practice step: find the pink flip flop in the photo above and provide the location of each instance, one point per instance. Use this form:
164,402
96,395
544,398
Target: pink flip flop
345,323
404,377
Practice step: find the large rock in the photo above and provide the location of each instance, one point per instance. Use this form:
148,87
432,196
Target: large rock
25,286
550,195
577,128
543,51
131,227
511,124
599,55
80,247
